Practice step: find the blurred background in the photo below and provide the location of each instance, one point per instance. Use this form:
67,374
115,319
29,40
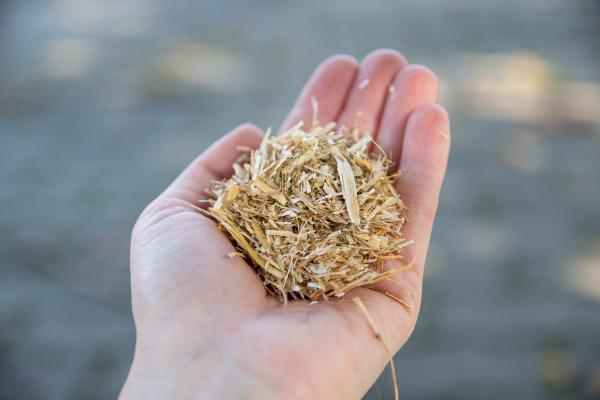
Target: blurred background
103,102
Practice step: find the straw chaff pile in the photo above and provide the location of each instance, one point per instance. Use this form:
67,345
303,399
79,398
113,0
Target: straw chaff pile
314,212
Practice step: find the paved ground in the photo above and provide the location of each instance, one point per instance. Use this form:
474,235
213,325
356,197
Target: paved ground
102,102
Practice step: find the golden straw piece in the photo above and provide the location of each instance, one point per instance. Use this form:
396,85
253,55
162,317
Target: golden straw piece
365,312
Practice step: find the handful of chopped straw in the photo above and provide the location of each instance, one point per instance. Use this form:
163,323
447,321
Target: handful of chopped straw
314,212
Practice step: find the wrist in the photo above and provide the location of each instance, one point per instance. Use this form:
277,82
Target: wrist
197,372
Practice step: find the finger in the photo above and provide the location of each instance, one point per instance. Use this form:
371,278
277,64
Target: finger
413,86
214,164
423,166
370,88
329,86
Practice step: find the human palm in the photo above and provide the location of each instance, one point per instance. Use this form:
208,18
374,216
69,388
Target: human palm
206,328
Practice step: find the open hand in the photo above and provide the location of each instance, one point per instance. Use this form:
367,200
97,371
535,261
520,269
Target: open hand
206,328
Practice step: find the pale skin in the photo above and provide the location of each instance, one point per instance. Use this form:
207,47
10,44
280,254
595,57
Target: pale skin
207,329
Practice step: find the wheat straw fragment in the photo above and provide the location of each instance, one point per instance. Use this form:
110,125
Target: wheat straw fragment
270,190
364,83
274,232
241,240
260,235
348,186
392,92
397,299
363,309
233,191
391,257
